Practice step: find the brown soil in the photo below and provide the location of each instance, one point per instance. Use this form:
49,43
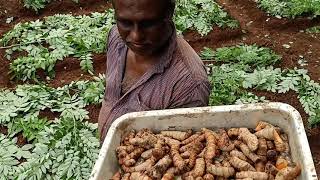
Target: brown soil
256,28
69,70
21,140
48,114
3,130
93,112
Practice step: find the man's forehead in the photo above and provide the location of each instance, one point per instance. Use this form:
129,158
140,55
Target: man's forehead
146,3
151,8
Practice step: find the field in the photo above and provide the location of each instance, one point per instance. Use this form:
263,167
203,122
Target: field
31,99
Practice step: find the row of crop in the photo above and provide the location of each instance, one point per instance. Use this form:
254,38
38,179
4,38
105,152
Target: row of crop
313,30
280,8
63,148
57,37
60,36
36,5
250,67
290,8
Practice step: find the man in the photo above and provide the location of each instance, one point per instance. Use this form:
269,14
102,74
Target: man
148,66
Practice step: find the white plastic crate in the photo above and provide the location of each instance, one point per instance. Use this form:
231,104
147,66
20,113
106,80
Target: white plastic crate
279,114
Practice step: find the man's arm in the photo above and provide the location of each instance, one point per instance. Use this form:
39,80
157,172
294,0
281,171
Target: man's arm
194,97
104,111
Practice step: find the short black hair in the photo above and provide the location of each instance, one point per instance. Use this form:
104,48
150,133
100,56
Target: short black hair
171,5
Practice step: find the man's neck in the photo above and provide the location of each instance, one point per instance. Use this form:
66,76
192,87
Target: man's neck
141,59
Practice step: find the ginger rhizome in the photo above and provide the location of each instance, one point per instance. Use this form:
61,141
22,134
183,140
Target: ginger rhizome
250,139
206,154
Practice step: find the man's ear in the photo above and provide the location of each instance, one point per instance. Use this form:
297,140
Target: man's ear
170,14
172,8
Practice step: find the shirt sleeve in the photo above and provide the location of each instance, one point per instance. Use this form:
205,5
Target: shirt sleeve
111,37
195,97
111,41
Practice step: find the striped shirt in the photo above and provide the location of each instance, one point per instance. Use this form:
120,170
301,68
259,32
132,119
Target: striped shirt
179,80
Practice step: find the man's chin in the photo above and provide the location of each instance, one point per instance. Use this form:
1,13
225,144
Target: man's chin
143,50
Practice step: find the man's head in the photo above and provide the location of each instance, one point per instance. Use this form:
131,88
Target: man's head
145,25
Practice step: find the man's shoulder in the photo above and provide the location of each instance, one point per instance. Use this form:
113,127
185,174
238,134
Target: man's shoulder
190,61
191,85
114,49
113,36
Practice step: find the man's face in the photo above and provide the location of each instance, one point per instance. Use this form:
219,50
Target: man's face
143,24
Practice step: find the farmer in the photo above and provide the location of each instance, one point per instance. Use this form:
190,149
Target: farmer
149,67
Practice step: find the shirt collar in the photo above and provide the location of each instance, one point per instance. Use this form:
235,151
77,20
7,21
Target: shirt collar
166,57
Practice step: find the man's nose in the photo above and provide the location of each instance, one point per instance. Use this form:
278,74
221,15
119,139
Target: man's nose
136,34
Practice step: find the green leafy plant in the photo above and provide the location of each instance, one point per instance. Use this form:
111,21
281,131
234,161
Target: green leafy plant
30,126
36,5
54,39
10,155
69,100
250,98
309,96
11,105
225,85
207,54
313,30
86,63
92,92
240,73
263,79
201,15
64,148
251,55
290,8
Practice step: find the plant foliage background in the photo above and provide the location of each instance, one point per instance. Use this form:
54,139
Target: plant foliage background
63,148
